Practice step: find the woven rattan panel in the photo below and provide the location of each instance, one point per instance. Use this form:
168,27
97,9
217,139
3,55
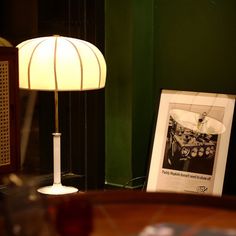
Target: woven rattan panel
4,114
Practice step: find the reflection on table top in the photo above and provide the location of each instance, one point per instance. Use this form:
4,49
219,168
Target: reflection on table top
126,213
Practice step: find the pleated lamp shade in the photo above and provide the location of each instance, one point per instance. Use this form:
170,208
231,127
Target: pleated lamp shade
60,63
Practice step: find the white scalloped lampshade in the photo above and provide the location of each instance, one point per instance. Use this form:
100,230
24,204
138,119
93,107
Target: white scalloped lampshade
60,63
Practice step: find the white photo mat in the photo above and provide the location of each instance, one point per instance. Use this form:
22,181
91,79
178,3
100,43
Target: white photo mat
191,142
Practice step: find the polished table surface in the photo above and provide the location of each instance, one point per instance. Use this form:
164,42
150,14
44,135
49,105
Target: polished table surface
114,213
127,213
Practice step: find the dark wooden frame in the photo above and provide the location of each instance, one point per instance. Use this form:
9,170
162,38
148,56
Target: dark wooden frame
10,54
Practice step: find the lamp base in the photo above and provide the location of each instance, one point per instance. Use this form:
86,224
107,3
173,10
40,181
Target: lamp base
57,189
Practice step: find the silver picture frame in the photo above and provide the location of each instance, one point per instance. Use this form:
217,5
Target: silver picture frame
191,142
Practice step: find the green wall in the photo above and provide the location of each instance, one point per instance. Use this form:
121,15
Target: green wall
129,52
195,45
156,44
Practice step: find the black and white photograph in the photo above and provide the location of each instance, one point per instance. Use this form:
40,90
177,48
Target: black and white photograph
191,142
192,135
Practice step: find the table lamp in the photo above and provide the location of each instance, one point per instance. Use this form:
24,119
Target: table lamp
56,64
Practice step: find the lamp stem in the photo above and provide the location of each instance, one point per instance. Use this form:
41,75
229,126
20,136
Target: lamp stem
56,158
57,187
56,145
56,111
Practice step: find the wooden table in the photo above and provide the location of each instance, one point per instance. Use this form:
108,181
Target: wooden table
127,213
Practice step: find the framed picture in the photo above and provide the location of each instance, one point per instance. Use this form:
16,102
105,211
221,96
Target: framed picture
191,142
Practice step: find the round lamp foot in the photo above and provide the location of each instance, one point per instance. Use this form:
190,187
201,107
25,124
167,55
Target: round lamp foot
57,189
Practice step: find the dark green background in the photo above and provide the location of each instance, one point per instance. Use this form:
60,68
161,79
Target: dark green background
162,44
